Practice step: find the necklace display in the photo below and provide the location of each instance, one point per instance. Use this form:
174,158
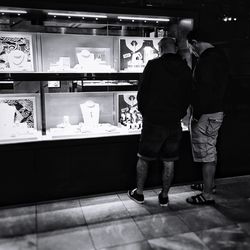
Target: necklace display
90,113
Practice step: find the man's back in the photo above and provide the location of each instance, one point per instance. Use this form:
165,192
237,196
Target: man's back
210,82
164,91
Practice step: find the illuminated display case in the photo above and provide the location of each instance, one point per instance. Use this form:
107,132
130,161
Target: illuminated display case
57,107
58,85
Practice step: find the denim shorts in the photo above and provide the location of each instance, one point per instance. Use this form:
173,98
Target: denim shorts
160,142
204,133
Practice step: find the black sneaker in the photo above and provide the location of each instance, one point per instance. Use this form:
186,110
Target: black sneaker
163,200
138,198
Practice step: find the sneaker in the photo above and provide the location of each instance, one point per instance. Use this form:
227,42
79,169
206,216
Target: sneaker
163,200
138,198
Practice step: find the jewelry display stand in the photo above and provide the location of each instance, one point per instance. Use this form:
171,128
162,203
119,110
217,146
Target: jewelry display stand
90,113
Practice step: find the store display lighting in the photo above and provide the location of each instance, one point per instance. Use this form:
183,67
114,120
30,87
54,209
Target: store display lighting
3,11
229,19
75,15
144,18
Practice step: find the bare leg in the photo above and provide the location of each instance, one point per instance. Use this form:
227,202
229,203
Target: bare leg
142,173
208,172
167,177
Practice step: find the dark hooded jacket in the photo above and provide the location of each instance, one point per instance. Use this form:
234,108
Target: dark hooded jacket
211,75
165,90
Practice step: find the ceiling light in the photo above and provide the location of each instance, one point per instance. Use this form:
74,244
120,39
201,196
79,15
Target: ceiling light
13,11
144,18
75,15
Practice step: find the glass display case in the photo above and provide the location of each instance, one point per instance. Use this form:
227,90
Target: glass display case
57,108
59,85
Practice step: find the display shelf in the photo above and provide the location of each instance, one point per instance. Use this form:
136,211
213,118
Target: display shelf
67,76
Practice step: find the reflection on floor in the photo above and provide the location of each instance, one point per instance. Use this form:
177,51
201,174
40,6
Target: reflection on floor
115,222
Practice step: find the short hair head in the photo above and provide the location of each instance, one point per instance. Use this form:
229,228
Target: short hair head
167,44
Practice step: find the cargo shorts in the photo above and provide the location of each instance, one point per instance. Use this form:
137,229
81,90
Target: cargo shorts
204,133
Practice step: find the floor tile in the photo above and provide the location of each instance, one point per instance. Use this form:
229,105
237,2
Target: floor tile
60,219
98,200
238,189
27,242
230,237
203,218
153,207
17,225
143,245
59,205
180,189
105,212
234,212
245,227
147,194
115,233
135,209
17,211
186,241
159,225
69,239
235,179
178,201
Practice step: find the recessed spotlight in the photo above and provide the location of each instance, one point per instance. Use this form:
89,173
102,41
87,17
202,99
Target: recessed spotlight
96,19
235,19
69,17
145,21
133,20
83,17
157,21
230,19
54,16
18,14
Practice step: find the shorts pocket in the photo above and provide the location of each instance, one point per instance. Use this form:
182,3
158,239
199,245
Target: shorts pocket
213,126
199,150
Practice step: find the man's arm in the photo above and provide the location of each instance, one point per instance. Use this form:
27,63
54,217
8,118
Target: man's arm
143,88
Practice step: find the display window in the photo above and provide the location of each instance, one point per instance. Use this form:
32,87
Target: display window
66,75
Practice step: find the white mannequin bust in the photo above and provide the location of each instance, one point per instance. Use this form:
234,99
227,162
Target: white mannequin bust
90,113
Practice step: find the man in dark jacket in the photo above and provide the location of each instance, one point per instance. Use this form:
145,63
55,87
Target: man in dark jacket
163,99
209,86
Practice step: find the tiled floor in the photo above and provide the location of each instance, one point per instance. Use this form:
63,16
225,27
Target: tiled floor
115,222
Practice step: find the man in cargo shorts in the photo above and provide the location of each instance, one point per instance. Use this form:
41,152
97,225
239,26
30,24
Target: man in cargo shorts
163,99
210,78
